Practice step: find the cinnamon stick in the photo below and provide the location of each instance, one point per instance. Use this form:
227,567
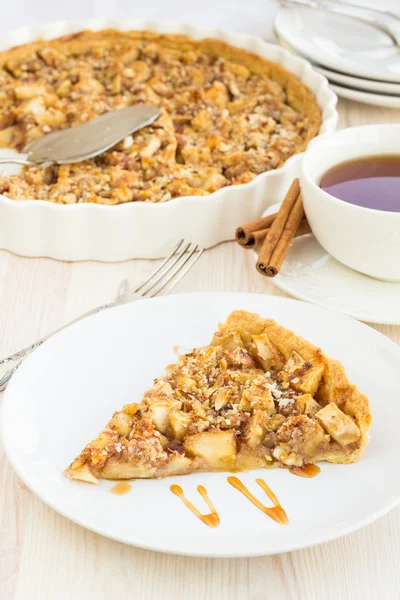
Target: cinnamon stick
257,237
245,232
271,268
303,229
277,227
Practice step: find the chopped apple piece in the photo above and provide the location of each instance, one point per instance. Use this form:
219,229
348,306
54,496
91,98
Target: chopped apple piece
255,429
287,457
131,409
159,413
34,106
222,397
180,421
247,460
121,423
303,376
6,135
216,447
265,353
341,427
22,92
258,397
306,405
164,441
82,473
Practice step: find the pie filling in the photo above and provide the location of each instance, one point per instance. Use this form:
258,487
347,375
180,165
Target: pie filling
227,115
258,396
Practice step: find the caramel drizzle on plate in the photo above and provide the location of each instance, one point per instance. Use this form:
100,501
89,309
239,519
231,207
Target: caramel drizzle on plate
121,488
277,513
212,519
307,471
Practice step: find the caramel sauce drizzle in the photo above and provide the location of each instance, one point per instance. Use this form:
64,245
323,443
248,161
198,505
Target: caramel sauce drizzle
307,471
212,519
277,513
121,488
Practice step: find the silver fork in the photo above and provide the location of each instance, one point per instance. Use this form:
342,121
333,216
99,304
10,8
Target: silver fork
162,281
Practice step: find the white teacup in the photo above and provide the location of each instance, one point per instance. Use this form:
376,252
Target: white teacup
364,239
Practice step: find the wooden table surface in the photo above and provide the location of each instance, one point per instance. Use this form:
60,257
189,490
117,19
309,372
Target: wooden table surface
45,556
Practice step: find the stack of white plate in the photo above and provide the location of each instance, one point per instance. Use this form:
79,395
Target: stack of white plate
361,62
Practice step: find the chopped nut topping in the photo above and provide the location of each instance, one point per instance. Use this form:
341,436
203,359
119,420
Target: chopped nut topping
284,402
218,408
222,122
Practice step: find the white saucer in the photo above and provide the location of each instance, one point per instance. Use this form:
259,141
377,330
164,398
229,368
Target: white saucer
366,97
309,273
339,43
368,85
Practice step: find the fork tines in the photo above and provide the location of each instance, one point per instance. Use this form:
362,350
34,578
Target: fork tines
172,270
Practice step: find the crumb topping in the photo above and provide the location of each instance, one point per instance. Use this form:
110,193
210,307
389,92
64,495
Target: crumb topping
228,406
213,389
221,124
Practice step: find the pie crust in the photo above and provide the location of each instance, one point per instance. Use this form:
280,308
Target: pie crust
227,114
257,396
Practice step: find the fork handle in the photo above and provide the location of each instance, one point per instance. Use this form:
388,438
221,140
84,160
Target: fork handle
9,365
8,369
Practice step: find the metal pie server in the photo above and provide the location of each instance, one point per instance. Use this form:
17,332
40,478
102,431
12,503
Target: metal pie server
89,139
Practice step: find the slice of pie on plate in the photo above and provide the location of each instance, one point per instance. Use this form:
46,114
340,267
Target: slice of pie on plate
257,396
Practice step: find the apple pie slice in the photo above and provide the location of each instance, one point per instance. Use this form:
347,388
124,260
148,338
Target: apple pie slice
257,396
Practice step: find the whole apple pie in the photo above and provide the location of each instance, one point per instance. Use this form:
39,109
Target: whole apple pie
227,115
257,396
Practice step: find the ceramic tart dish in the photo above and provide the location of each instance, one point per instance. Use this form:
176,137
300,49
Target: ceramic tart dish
237,113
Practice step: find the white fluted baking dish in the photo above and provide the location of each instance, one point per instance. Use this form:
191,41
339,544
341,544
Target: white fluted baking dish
143,230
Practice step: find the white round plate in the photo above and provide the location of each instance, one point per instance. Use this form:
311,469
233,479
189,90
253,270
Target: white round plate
340,43
366,97
67,390
368,85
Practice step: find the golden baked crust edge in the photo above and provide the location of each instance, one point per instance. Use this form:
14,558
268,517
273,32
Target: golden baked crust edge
335,386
